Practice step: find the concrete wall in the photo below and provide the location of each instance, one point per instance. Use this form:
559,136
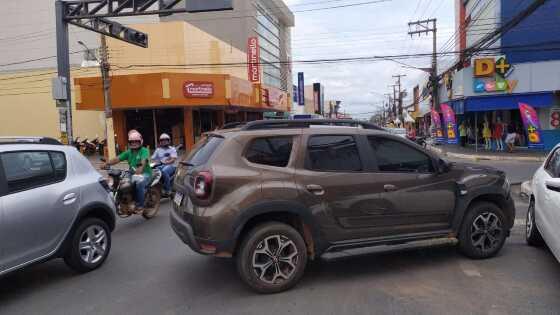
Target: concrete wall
29,26
177,43
27,109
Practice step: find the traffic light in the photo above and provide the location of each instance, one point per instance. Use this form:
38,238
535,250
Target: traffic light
136,37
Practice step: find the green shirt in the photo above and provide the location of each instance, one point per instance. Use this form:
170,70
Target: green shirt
135,157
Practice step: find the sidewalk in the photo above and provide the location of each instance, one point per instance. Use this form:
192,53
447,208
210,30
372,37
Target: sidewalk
458,152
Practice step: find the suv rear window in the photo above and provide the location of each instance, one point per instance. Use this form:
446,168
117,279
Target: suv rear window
204,150
333,154
272,151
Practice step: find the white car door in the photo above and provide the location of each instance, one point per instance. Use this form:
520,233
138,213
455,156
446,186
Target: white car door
550,201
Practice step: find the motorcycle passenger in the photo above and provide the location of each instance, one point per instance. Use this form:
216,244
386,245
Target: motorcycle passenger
137,157
167,156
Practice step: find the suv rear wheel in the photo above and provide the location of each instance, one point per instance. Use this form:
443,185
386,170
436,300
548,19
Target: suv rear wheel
89,245
272,258
482,234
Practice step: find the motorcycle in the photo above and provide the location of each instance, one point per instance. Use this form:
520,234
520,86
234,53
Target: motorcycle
122,190
155,166
90,147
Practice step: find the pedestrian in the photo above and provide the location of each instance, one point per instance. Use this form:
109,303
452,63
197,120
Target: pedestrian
498,134
463,134
510,139
487,135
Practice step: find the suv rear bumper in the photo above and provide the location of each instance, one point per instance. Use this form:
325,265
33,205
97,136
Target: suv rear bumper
185,231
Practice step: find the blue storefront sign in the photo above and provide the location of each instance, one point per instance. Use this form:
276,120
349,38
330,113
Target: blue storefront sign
301,89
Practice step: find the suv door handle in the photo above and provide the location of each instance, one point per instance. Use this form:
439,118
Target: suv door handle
315,189
69,199
389,188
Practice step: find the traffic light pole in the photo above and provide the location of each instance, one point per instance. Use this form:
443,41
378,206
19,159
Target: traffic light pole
63,64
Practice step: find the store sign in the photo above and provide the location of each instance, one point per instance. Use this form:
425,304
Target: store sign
265,97
253,60
196,89
491,75
450,123
555,118
301,89
295,94
532,125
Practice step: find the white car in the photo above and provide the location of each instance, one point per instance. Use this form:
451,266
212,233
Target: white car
543,216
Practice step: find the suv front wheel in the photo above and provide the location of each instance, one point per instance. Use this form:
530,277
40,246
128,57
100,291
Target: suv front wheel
272,258
483,232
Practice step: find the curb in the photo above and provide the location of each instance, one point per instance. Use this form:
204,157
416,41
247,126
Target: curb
476,157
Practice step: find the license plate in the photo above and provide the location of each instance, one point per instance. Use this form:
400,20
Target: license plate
178,199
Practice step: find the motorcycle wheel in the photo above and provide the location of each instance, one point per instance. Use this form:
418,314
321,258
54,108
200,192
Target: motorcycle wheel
153,200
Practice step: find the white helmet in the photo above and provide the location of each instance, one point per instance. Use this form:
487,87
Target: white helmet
164,136
135,140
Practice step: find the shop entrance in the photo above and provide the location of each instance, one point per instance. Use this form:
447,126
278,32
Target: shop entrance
152,123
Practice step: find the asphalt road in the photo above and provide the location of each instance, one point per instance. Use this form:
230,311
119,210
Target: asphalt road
150,271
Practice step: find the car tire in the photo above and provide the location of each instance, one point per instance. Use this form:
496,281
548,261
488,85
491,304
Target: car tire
532,234
483,231
263,267
89,245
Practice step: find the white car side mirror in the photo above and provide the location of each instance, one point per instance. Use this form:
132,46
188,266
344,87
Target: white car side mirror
553,184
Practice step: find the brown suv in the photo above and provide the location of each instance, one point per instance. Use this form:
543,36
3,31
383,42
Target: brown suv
274,194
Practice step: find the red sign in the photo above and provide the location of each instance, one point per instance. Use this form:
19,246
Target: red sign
195,89
253,60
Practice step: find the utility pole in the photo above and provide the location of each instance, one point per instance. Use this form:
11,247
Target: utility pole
105,68
394,101
400,104
426,27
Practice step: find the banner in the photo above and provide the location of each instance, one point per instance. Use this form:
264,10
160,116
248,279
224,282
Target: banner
301,89
436,123
253,60
532,125
295,94
450,123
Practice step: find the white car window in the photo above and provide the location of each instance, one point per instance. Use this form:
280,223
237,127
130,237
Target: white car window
553,164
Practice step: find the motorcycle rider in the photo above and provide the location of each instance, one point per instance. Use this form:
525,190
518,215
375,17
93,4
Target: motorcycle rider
167,156
137,157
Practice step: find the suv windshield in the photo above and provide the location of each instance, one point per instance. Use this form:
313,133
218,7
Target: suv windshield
204,150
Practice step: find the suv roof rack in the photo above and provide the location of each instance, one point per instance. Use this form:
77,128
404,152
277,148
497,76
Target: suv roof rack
29,140
233,125
307,123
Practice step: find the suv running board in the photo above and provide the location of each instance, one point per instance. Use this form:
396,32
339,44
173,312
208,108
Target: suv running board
384,244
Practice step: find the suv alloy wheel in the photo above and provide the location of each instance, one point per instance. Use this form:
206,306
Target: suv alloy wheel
272,258
89,245
482,233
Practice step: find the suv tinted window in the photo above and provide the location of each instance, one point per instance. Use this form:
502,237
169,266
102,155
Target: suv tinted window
273,151
204,150
553,164
334,154
26,169
395,156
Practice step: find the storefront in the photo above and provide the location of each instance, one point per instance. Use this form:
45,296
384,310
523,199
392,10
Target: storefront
491,91
184,105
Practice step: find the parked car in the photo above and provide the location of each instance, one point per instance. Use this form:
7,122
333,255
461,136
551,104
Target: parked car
543,215
275,194
53,204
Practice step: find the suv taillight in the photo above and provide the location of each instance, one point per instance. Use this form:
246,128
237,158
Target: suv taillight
203,185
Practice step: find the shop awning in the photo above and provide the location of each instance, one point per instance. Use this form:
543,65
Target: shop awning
507,102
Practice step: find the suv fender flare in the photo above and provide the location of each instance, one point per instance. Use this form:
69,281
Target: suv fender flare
492,194
278,207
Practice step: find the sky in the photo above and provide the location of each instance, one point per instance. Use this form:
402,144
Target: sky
373,29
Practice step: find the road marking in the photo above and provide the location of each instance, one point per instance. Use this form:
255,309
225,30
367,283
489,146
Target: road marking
470,270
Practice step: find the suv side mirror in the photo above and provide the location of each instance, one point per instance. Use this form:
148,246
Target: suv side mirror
442,166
